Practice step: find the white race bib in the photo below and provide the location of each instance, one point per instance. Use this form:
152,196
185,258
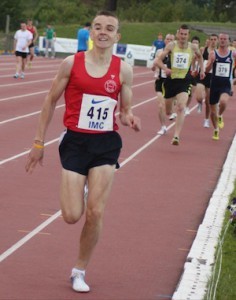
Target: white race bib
205,64
181,60
97,113
222,69
163,73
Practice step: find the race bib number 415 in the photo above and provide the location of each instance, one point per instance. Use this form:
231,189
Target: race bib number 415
97,113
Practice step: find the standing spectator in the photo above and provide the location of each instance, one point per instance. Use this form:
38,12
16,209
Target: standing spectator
34,32
93,82
158,43
22,39
83,37
50,37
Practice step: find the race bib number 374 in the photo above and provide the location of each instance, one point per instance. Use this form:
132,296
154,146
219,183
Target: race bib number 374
97,113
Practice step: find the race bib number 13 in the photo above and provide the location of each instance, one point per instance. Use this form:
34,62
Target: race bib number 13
97,113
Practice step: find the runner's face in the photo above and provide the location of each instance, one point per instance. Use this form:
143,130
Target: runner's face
213,41
183,35
196,42
169,38
207,42
223,40
23,26
104,32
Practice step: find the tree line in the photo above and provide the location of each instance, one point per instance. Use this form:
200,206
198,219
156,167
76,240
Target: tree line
80,11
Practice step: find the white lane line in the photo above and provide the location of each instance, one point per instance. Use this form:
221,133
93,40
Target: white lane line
22,96
30,235
25,82
27,115
53,141
37,93
29,74
143,83
2,162
60,106
37,112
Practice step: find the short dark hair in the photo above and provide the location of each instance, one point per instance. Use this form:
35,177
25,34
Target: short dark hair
196,38
184,26
108,13
87,24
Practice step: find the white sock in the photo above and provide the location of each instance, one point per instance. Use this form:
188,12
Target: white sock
75,270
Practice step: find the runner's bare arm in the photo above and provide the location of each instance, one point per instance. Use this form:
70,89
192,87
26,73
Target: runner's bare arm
154,66
36,35
126,116
199,56
211,59
160,58
58,86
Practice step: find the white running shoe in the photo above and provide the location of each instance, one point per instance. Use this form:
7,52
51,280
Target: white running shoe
206,123
162,131
22,75
77,280
173,116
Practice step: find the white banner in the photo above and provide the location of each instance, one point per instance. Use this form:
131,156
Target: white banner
129,52
62,45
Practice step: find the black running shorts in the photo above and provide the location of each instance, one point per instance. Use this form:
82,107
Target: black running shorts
206,81
159,85
80,152
217,89
22,54
173,87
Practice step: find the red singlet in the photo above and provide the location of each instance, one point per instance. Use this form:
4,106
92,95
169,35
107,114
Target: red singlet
31,29
91,102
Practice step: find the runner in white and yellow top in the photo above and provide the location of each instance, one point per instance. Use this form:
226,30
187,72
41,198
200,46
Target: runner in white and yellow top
178,82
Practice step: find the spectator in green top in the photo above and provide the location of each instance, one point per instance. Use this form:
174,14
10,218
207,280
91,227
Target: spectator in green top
50,37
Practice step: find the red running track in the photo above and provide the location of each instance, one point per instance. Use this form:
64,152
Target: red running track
158,200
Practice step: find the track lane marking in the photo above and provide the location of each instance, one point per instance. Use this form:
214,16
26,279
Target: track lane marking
43,225
56,139
45,91
23,96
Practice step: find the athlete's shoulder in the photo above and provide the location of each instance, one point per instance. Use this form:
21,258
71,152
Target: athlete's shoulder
125,67
169,47
126,72
68,62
